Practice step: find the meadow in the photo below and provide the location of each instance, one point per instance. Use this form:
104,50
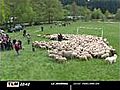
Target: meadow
38,66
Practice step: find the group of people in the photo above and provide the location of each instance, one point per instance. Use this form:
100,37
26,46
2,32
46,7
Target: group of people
5,42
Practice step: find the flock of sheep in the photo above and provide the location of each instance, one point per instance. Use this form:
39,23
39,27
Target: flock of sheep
82,47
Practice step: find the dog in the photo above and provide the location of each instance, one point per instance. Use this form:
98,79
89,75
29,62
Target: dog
111,59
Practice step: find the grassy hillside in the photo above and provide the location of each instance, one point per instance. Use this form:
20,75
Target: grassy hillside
38,66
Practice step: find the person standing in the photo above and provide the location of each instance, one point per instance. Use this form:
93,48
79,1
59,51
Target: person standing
17,47
42,28
28,38
33,47
60,37
24,33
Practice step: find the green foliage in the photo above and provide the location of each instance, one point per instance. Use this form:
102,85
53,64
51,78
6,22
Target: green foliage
48,10
84,11
39,8
24,12
80,11
3,11
97,14
53,10
74,9
107,14
117,16
104,5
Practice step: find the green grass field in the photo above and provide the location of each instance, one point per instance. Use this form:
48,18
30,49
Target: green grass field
38,66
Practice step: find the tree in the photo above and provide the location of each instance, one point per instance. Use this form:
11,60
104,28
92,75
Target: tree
85,12
97,14
74,9
39,7
54,10
117,16
48,10
4,11
24,12
107,14
111,5
0,13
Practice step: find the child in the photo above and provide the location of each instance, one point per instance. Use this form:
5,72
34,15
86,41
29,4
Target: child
17,47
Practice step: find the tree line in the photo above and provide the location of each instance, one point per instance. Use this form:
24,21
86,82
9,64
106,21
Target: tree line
110,5
53,10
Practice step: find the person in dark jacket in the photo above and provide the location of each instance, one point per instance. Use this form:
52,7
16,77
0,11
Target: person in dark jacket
14,41
42,28
33,47
24,33
60,37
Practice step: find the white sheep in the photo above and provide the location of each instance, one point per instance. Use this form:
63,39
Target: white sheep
60,59
43,47
105,55
77,46
67,54
74,54
53,56
83,57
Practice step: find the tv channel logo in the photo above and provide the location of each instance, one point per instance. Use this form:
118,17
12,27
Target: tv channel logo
12,84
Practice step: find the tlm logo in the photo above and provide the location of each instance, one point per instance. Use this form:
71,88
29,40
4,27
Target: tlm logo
12,84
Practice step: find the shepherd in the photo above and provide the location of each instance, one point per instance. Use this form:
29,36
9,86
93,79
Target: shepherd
60,37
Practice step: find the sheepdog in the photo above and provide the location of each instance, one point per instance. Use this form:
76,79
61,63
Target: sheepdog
111,59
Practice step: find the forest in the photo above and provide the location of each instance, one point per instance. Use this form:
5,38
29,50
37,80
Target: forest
31,11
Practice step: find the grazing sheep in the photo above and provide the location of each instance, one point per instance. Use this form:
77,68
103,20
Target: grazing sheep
74,54
51,55
89,56
105,55
50,51
67,54
43,47
60,58
83,57
83,47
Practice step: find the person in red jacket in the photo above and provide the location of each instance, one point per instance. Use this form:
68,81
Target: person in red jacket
17,47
